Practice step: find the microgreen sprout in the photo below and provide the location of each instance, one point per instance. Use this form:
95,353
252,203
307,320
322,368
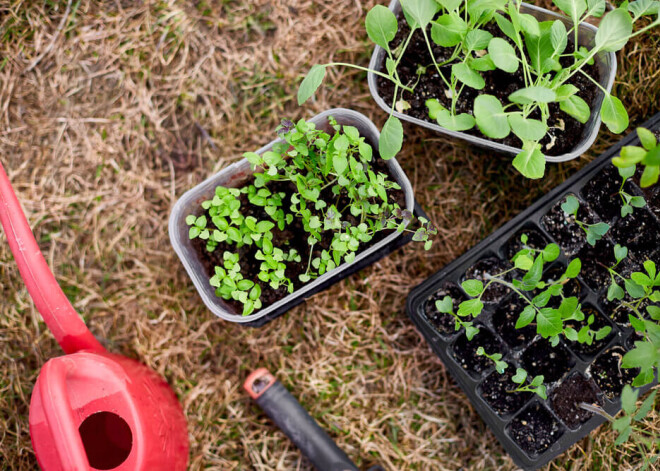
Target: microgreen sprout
595,231
496,358
629,201
535,385
446,306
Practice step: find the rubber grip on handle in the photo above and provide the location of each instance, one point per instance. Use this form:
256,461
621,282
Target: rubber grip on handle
296,423
62,319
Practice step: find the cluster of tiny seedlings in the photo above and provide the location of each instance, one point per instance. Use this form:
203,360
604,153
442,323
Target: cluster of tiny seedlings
338,197
531,46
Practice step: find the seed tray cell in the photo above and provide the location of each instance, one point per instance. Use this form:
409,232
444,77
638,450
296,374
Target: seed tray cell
573,367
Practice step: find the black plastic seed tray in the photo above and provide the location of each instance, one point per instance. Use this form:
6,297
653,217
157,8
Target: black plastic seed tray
530,428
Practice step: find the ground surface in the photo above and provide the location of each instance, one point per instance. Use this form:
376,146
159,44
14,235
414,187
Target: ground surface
111,110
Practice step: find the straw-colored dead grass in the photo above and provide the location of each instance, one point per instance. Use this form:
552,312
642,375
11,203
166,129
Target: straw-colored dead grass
112,111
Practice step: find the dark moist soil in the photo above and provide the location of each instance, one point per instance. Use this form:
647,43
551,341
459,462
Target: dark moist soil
292,237
595,261
535,240
552,362
499,392
640,232
483,270
498,83
444,323
651,194
607,372
602,193
563,228
535,429
586,351
569,394
504,322
465,351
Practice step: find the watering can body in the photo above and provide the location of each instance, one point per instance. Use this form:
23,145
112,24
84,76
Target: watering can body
90,409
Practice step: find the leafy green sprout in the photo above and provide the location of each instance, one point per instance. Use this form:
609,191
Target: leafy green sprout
535,386
594,232
496,358
230,284
446,306
533,46
648,156
629,201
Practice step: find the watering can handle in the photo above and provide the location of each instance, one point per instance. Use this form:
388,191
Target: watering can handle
59,415
64,322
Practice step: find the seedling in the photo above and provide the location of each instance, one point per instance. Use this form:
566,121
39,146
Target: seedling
629,201
496,358
595,231
535,386
535,48
446,306
648,155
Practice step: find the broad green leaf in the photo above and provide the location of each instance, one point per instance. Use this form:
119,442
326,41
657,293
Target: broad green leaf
471,307
620,252
507,28
503,55
551,252
531,161
340,163
566,91
477,39
633,289
614,31
491,117
646,137
529,24
533,276
311,83
595,8
526,317
520,376
646,406
643,355
473,287
391,138
573,269
614,114
626,172
629,399
523,262
573,8
629,156
650,176
548,322
450,4
527,128
533,94
477,7
482,64
460,122
434,107
445,305
448,30
615,292
576,107
558,37
652,157
419,13
381,25
540,49
644,7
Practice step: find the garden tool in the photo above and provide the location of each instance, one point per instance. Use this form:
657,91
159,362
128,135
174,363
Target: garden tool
287,413
90,409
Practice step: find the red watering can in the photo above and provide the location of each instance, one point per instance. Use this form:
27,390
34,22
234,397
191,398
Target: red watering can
90,409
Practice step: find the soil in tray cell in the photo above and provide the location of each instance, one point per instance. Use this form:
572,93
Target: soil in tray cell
639,232
602,193
499,392
595,262
483,270
563,228
652,197
444,323
504,322
465,351
535,240
541,358
585,350
608,374
566,399
535,429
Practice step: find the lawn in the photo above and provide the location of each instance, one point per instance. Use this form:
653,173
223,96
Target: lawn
109,111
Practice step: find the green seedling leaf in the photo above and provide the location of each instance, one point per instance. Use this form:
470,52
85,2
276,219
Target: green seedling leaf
527,129
531,161
620,252
381,25
391,138
434,107
643,355
533,276
566,91
507,28
627,172
533,94
644,7
460,122
573,8
448,30
654,312
470,331
450,5
650,176
473,288
576,107
482,64
629,157
614,31
558,37
548,322
520,376
491,117
529,24
614,114
471,307
646,137
311,83
571,205
419,13
477,40
629,399
444,305
573,269
551,252
469,77
633,289
646,406
523,262
526,317
503,55
595,8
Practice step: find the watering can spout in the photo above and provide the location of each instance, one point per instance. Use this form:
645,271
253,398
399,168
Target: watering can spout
63,321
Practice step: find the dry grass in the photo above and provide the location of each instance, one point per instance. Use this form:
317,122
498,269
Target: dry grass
110,113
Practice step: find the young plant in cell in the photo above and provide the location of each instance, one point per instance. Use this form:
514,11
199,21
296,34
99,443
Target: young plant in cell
496,358
648,156
546,54
629,201
535,385
595,231
316,200
446,306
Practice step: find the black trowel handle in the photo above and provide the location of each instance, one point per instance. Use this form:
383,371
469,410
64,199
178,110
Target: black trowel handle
296,423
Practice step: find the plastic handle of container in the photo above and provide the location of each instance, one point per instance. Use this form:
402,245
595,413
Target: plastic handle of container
64,322
59,416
